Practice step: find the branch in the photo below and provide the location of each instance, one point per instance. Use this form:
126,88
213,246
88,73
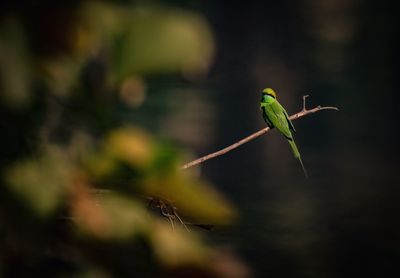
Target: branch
300,114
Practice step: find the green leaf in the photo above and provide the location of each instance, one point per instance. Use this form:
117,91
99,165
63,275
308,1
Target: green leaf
41,183
111,217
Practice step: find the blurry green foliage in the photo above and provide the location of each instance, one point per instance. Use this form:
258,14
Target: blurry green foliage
155,39
15,64
41,182
75,184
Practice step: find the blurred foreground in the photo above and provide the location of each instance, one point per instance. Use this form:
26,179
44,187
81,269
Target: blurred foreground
77,172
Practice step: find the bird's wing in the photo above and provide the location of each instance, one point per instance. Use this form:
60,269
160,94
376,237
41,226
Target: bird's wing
291,126
278,119
265,116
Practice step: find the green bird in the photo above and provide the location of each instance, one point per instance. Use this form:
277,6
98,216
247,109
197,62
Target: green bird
276,116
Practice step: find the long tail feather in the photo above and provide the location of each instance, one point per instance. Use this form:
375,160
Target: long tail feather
297,155
302,166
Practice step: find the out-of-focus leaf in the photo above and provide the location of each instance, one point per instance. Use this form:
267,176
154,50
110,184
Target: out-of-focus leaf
41,183
161,40
127,217
149,39
177,247
100,165
131,146
191,197
101,24
15,67
111,216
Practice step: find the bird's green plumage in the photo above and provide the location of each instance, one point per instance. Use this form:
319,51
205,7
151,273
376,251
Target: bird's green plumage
276,116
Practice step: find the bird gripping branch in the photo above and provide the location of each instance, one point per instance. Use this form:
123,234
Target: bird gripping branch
276,116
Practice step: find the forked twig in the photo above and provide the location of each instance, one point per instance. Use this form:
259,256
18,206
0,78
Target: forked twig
167,210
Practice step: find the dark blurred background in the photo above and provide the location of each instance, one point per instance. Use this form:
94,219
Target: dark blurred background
340,222
343,220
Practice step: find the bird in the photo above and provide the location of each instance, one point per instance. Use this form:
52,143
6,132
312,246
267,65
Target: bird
276,116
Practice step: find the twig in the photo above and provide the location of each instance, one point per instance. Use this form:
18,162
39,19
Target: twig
166,210
300,114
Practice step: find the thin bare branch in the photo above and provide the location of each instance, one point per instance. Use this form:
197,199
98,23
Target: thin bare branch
300,114
304,102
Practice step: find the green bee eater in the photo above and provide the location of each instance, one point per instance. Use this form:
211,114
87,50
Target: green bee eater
275,116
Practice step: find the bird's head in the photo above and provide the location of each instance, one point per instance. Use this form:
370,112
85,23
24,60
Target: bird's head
269,92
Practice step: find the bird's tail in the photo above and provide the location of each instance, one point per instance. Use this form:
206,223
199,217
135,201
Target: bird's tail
297,155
